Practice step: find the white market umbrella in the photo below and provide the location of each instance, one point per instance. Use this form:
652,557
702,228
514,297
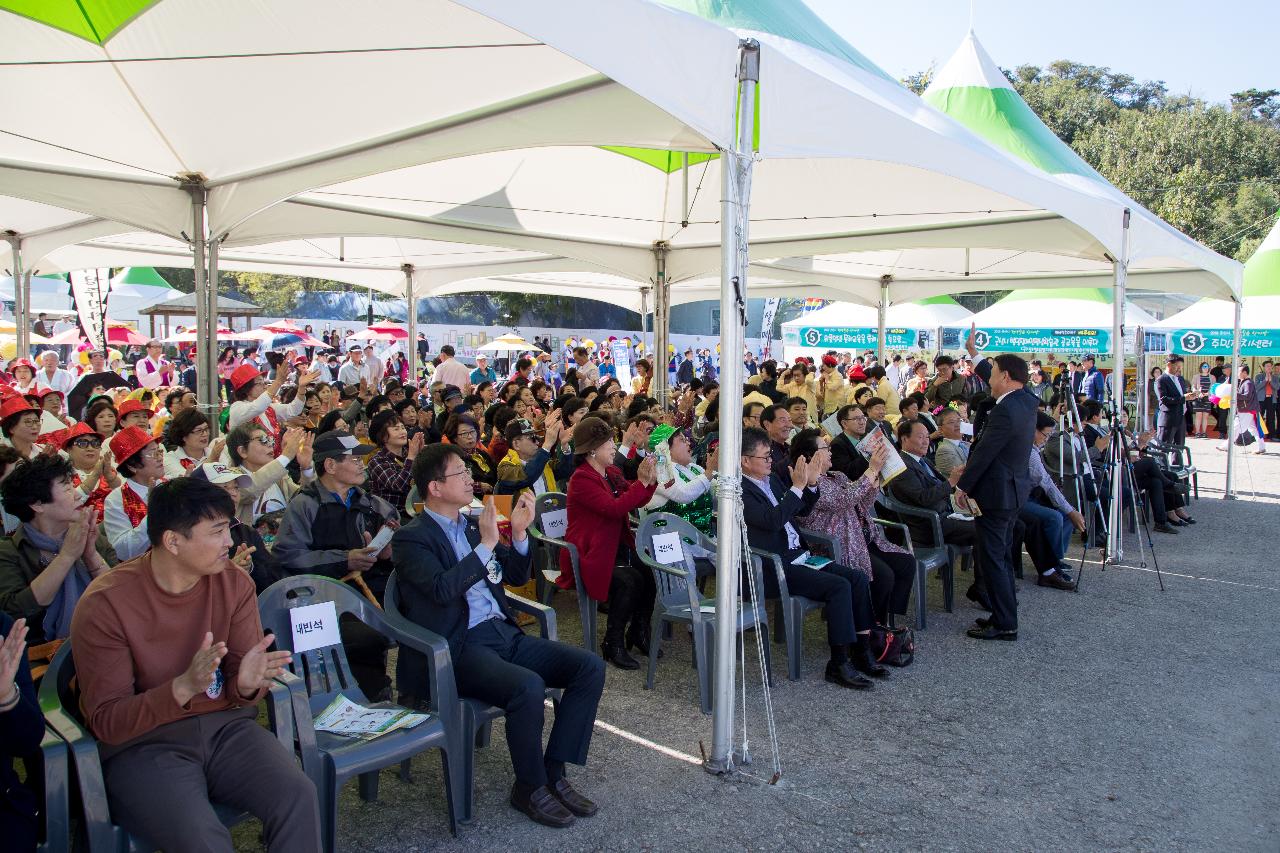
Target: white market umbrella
507,343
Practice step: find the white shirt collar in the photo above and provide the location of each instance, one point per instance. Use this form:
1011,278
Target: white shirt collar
140,489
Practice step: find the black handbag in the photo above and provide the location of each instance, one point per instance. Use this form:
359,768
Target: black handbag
893,646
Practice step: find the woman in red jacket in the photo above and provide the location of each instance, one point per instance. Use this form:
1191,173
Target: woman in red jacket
599,500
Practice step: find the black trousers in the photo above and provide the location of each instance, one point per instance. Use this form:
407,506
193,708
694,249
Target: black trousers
1158,485
892,575
632,591
846,593
1172,430
501,665
995,530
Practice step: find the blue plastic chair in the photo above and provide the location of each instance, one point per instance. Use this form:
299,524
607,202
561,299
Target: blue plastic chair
680,603
476,717
549,548
60,702
321,674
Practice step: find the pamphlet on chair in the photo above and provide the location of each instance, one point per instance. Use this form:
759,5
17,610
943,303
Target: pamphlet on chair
812,561
349,719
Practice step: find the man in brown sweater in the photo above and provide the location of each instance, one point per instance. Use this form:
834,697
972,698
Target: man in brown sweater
172,663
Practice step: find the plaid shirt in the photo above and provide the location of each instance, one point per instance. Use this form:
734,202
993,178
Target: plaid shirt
390,477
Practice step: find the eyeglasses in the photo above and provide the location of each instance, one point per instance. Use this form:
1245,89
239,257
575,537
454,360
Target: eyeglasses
86,443
465,472
748,456
264,440
200,430
463,435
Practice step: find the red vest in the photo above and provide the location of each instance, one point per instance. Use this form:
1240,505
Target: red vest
273,428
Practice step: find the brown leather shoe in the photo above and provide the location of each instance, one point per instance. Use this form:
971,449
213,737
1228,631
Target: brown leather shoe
542,807
1055,580
571,799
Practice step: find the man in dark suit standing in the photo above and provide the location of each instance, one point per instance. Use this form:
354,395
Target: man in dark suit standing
770,507
1173,391
998,478
450,577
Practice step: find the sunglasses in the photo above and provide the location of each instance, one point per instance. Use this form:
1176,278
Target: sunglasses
86,443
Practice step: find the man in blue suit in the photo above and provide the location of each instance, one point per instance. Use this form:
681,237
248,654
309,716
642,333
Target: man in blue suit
450,576
998,478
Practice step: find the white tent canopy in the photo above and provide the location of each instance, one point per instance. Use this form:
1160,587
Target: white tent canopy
1206,328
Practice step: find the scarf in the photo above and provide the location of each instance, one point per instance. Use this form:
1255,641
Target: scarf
57,617
548,475
134,507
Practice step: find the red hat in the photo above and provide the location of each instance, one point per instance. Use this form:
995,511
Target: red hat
7,391
62,437
15,406
22,362
856,372
243,375
47,391
830,360
128,407
127,442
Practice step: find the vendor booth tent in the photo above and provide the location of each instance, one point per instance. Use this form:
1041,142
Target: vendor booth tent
1205,328
847,327
1042,321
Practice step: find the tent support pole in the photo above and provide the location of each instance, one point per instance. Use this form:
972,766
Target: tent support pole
881,310
411,343
208,392
1229,492
661,323
644,326
735,200
21,297
1115,547
1141,373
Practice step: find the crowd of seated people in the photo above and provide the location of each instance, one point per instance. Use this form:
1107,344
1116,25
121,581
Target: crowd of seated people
142,538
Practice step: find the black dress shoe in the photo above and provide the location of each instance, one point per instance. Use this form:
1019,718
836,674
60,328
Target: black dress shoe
991,632
1055,581
618,656
846,676
1065,571
1187,520
1164,528
1175,522
977,597
863,662
639,640
571,799
541,806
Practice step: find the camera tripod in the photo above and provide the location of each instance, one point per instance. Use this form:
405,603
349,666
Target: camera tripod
1070,426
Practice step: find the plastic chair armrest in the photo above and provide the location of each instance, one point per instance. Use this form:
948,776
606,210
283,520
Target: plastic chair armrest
280,711
558,543
546,616
935,521
825,540
444,692
57,795
898,525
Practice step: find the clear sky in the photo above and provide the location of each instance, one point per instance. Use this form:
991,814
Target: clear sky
1209,49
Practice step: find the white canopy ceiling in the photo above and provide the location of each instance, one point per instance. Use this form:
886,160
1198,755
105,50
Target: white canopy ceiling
851,160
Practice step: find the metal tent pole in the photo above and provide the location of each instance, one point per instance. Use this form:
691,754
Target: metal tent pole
208,392
411,299
1229,492
644,326
661,323
1115,549
21,297
735,172
880,315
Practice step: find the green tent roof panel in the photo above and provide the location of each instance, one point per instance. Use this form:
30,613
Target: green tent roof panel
142,275
91,20
1262,272
973,90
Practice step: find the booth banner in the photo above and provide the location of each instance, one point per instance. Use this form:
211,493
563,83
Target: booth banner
1031,340
1253,342
828,337
90,289
621,362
